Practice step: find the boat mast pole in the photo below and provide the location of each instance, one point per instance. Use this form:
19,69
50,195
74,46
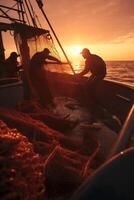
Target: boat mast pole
2,54
40,4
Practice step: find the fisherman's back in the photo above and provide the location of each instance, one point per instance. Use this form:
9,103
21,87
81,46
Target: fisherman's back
11,67
97,65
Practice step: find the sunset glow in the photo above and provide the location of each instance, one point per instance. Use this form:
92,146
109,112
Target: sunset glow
107,30
75,50
105,27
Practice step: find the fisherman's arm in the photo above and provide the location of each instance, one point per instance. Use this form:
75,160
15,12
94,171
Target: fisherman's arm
54,59
82,73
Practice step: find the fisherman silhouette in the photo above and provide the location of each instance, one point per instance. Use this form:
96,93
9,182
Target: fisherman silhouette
93,64
38,77
12,65
96,66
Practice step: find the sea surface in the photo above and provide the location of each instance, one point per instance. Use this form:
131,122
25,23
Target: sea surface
120,71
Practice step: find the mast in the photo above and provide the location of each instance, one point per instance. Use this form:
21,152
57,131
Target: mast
40,4
2,54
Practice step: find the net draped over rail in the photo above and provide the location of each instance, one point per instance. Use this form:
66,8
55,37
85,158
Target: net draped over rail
36,44
28,44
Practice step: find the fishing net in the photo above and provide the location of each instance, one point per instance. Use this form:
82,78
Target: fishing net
21,171
29,42
51,160
38,43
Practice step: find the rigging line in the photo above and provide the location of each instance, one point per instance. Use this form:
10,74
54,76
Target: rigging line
9,9
40,4
18,12
38,21
30,13
24,7
22,11
10,18
34,16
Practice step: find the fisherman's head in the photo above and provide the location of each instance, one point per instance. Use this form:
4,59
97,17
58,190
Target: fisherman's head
85,53
14,55
46,51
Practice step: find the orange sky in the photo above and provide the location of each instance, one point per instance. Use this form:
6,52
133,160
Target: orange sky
106,27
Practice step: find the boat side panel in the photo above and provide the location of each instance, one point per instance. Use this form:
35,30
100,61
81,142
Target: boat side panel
115,97
11,94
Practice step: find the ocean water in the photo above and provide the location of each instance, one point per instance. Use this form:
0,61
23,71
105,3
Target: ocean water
121,71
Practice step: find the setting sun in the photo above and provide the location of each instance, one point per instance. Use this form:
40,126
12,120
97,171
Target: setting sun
75,50
74,55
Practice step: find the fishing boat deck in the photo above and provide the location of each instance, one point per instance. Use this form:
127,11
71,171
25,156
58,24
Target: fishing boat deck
86,126
48,152
72,153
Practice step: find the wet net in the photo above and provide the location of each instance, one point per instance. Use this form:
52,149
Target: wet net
29,43
38,43
21,171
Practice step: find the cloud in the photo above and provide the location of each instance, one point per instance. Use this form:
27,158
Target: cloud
91,21
99,21
128,38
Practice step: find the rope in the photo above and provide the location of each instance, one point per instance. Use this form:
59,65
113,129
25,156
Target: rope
30,14
40,4
11,7
10,18
24,7
34,16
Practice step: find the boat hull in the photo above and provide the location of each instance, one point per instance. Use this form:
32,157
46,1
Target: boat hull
11,92
113,96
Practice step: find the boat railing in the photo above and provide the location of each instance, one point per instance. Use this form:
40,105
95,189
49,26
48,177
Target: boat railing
125,134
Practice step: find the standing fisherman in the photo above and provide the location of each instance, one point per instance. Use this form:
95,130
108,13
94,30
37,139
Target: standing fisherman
38,77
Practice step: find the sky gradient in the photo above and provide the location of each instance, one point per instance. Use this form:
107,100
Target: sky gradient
106,27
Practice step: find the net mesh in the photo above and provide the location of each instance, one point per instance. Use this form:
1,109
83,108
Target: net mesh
38,43
42,85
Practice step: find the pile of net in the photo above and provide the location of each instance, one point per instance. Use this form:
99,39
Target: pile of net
21,170
49,159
